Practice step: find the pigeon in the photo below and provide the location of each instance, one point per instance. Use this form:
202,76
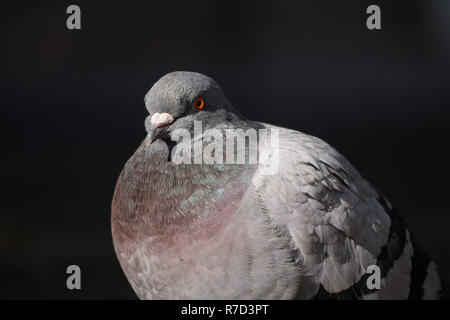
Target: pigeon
311,228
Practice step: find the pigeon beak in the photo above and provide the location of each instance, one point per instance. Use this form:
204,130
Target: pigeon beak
159,121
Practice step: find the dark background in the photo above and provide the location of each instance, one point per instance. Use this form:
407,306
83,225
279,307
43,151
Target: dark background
72,112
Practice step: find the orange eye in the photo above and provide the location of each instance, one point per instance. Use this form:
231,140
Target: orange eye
199,103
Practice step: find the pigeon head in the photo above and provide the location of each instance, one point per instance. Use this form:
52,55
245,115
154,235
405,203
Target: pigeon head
180,98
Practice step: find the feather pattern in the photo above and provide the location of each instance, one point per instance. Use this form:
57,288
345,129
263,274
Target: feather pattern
341,225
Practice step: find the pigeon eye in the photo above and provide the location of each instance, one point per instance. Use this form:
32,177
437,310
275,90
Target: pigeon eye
199,103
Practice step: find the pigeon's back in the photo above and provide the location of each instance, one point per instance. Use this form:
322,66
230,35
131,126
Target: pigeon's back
348,239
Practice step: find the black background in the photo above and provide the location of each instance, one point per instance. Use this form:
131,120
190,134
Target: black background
72,111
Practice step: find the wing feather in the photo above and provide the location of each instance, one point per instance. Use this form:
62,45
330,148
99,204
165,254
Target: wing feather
334,216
